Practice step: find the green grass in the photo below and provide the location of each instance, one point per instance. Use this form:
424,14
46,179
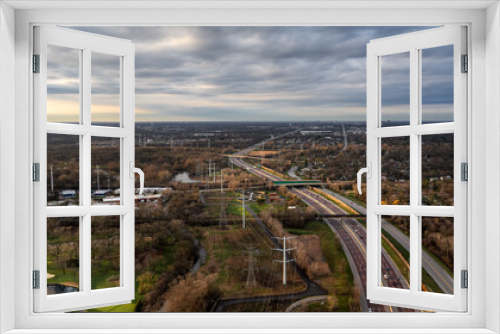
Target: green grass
130,307
118,308
235,209
439,261
102,273
342,208
353,198
258,207
318,307
334,255
297,231
61,275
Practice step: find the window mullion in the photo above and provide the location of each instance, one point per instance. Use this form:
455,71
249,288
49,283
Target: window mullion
86,174
414,169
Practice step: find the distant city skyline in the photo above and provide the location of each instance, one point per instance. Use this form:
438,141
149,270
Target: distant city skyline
252,74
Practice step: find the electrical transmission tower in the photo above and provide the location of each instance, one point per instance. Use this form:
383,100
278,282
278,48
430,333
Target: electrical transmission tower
222,216
199,168
243,209
285,255
251,250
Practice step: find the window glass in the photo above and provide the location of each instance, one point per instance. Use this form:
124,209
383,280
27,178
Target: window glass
105,252
105,168
395,89
395,259
395,167
106,80
438,244
437,84
437,170
63,170
63,255
63,84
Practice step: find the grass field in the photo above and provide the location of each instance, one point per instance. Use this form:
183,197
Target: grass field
341,281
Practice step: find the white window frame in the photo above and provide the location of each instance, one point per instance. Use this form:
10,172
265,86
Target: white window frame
413,43
86,44
484,49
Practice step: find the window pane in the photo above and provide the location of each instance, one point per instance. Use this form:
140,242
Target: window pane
105,252
63,84
63,255
437,84
105,89
63,169
395,262
105,171
395,89
395,169
437,242
437,170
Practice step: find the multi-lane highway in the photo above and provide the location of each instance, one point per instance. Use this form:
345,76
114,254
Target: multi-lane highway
352,236
435,270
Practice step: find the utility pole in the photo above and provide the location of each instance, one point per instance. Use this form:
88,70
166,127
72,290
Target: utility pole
209,167
222,215
97,173
51,179
208,142
251,249
284,250
243,210
171,142
221,179
199,168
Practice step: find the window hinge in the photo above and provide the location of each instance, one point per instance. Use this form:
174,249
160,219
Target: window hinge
464,168
36,279
465,64
36,63
465,279
36,172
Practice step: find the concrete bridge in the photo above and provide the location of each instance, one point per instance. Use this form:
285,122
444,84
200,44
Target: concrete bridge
340,216
298,183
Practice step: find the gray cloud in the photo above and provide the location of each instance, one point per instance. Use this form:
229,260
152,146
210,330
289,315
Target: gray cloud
276,72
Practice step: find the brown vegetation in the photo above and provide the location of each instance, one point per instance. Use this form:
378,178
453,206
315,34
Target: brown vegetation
195,293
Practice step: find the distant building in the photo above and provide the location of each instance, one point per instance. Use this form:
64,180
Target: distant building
68,193
102,193
273,197
139,200
309,132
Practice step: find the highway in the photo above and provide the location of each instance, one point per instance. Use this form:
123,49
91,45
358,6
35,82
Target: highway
352,236
440,276
345,137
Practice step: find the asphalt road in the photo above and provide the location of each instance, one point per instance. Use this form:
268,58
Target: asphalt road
345,138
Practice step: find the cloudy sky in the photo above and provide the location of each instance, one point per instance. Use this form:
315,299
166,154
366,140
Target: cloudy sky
249,74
